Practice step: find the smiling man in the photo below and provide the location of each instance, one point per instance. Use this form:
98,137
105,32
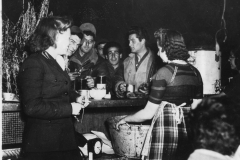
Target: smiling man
74,43
75,39
113,53
140,66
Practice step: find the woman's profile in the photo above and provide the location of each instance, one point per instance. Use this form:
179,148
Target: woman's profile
47,99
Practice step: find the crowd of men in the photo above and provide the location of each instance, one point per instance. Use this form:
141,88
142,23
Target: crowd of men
88,60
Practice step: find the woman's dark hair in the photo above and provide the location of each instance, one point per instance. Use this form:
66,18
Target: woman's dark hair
75,30
173,43
46,31
141,33
111,44
80,35
215,124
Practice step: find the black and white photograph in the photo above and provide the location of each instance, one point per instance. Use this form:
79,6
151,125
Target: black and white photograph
120,79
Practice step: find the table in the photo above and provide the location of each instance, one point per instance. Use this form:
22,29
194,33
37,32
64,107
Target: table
94,118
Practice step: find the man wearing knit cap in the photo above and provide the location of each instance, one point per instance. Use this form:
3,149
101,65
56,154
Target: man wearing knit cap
88,27
86,60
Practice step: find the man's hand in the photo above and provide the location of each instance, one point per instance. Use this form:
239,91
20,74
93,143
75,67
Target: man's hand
122,87
73,75
90,81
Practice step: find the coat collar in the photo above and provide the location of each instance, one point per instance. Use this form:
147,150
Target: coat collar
93,57
52,62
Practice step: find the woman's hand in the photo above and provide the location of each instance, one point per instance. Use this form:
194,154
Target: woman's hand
76,108
83,100
122,87
90,81
121,122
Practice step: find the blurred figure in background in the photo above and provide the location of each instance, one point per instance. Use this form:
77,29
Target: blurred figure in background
232,90
216,128
140,66
113,53
100,45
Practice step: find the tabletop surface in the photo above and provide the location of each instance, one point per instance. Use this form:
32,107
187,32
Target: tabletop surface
15,106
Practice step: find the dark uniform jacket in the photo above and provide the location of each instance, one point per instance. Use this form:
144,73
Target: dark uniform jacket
46,98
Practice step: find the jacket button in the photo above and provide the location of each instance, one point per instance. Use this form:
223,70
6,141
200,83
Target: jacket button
49,121
66,93
66,82
55,80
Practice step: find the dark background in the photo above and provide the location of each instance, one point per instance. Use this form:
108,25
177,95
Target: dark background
197,20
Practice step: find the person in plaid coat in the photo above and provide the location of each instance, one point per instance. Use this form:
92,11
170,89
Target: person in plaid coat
174,88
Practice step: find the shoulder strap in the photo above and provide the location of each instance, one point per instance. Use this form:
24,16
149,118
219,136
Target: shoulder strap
198,75
174,74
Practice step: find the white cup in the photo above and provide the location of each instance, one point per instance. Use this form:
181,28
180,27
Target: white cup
130,88
8,96
101,86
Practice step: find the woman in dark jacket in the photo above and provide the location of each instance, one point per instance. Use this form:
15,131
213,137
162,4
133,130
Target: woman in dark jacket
46,95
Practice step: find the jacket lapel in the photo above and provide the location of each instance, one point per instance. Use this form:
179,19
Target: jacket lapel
52,62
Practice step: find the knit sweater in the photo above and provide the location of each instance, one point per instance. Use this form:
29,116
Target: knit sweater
176,83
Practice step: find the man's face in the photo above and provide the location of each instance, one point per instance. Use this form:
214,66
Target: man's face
87,43
134,43
74,43
114,56
100,50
